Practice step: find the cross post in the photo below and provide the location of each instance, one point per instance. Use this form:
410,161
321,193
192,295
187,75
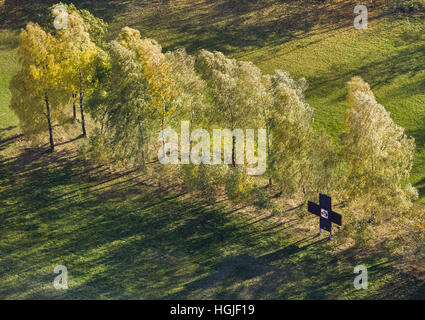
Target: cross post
324,211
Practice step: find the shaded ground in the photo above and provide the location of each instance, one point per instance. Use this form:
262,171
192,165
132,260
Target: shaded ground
121,236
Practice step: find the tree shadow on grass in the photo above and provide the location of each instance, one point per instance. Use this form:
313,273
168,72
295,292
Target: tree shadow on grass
5,139
17,13
120,236
377,73
237,26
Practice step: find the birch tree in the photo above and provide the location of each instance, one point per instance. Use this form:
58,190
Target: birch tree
156,71
96,27
190,88
37,98
266,101
379,155
73,35
233,86
139,97
291,131
79,61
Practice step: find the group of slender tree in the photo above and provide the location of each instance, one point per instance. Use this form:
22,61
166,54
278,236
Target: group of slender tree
59,67
132,90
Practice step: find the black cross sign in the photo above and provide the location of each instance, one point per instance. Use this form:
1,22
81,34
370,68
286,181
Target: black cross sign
324,211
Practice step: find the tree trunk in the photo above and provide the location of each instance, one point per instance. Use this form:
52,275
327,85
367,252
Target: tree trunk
373,182
233,151
233,138
191,124
83,123
74,108
268,141
163,134
52,145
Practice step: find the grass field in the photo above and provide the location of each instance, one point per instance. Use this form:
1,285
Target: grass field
8,66
123,236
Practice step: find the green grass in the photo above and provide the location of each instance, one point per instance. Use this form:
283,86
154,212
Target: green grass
120,236
8,67
124,237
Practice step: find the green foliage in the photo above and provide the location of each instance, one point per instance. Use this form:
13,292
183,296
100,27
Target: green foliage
291,133
129,103
205,179
233,86
81,60
324,169
58,64
190,88
95,26
38,97
96,149
239,186
79,54
126,102
98,101
379,155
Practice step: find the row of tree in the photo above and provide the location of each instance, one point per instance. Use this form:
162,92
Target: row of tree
132,90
